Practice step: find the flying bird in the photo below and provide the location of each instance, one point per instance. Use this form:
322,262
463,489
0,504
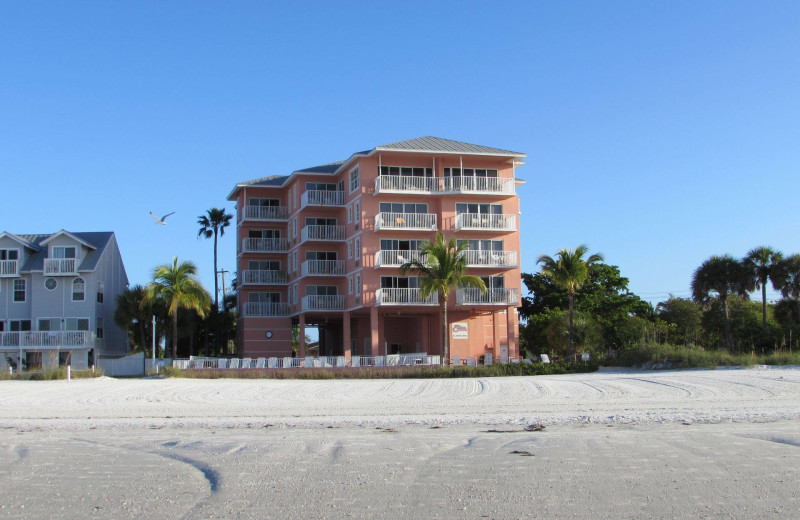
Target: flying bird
163,220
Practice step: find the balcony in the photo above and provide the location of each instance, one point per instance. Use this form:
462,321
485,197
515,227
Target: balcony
265,309
322,198
491,258
404,297
8,267
326,233
486,222
265,245
256,277
406,184
60,266
323,303
471,296
266,213
323,268
396,258
407,221
479,185
56,340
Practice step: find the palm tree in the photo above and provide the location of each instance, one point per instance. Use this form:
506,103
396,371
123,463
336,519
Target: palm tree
786,279
762,262
723,275
213,224
134,317
569,271
178,287
442,270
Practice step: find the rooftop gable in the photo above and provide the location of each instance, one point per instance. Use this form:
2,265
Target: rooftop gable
64,232
22,241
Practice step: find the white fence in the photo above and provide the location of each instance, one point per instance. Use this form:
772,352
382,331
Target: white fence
130,366
200,363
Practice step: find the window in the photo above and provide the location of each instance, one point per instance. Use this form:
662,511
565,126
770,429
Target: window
400,207
64,252
319,221
391,244
354,179
349,285
294,228
48,324
357,213
9,254
469,172
358,284
264,233
399,282
294,261
358,248
76,324
19,290
349,249
321,255
264,265
321,186
264,297
479,209
349,214
78,290
50,284
264,203
101,288
482,245
321,290
406,171
19,325
494,282
99,329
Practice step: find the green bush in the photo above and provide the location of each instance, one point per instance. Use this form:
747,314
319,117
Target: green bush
51,374
696,357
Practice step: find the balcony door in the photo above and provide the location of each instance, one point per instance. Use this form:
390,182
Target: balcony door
264,297
391,244
65,252
403,207
264,233
322,290
482,245
478,209
494,282
263,265
399,282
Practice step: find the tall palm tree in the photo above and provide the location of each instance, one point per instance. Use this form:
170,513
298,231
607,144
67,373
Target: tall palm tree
442,270
178,287
786,278
212,224
762,262
725,276
569,271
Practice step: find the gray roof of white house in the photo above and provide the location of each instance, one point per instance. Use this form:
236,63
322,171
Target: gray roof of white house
99,239
426,144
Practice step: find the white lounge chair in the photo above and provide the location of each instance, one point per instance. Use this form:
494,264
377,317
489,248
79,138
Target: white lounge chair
545,358
487,359
222,363
234,363
340,361
472,362
455,360
287,362
261,362
272,362
355,361
246,362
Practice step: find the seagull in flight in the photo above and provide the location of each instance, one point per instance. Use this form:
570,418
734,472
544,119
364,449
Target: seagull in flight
163,220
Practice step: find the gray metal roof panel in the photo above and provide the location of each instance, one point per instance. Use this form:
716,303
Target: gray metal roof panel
322,168
437,144
99,239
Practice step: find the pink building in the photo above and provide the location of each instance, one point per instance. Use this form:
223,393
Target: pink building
323,245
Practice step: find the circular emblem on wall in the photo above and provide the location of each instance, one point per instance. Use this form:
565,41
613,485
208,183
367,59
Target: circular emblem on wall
50,284
268,334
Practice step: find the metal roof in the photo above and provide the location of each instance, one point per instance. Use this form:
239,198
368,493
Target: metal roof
437,144
98,239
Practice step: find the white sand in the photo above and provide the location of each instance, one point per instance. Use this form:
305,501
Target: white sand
618,396
618,444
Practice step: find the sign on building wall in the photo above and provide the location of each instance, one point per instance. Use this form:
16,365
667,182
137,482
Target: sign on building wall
460,331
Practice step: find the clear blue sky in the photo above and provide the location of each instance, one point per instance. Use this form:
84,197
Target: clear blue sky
658,133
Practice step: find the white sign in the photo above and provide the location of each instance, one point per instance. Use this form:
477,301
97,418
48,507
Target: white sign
460,331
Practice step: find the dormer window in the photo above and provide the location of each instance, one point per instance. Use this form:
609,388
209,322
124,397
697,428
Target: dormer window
64,252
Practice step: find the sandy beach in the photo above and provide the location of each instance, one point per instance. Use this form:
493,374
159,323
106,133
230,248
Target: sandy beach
615,444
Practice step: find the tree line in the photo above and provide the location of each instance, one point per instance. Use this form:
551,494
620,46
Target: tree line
577,302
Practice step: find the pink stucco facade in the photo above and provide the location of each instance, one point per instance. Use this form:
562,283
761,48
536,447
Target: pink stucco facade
322,247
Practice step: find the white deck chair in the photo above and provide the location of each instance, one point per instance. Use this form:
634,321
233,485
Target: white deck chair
272,362
379,361
222,363
355,361
308,362
472,362
246,363
545,358
287,362
487,359
234,363
455,360
261,362
340,361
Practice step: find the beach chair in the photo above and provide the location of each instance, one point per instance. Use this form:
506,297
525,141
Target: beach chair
472,362
222,363
246,362
340,361
545,358
234,363
487,359
308,362
261,362
379,361
455,360
272,362
355,361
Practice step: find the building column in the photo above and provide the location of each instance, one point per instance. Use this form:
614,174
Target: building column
425,334
374,328
496,317
346,334
511,317
301,340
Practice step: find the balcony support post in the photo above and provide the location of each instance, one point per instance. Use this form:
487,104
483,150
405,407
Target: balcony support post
346,334
511,316
374,327
496,322
301,340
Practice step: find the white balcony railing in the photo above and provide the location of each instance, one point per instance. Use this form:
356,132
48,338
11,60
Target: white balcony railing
57,266
8,267
255,309
322,233
264,245
322,198
491,258
323,267
62,339
486,222
413,221
479,185
396,258
471,296
403,184
323,303
266,213
263,277
404,297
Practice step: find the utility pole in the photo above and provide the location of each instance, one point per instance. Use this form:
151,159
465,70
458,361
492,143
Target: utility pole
222,272
218,340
